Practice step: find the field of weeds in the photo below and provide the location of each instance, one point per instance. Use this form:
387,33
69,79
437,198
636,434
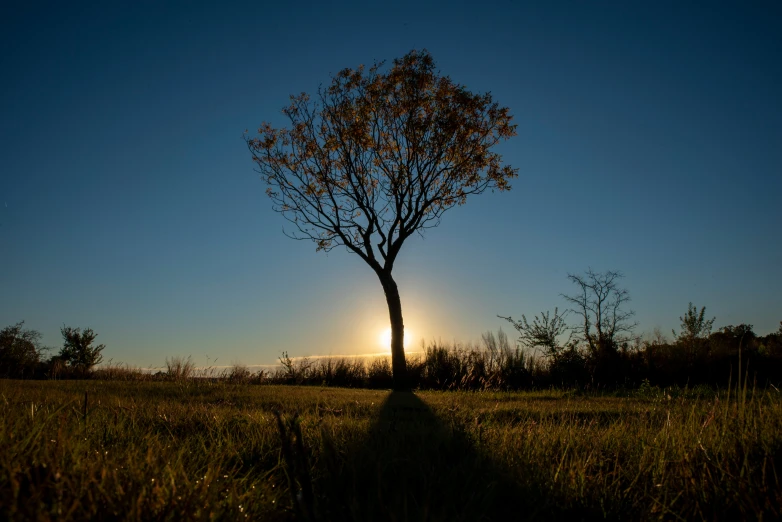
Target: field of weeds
209,450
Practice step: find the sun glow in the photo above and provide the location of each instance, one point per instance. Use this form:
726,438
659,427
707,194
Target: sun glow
385,339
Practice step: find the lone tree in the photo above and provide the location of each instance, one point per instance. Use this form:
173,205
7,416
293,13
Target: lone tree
378,156
77,350
604,321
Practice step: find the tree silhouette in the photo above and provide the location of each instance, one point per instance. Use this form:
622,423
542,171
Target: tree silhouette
77,350
379,156
694,325
544,331
600,303
20,350
695,329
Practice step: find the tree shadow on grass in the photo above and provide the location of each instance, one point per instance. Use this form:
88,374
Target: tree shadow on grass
413,466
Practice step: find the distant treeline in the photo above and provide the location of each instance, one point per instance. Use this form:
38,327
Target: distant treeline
496,363
22,356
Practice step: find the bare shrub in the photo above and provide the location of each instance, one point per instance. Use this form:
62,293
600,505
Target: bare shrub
292,371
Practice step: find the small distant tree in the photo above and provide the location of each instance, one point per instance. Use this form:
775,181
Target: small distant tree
654,339
379,156
544,332
20,350
600,302
77,351
694,325
695,329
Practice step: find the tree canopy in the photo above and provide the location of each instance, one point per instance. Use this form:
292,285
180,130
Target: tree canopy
78,351
377,156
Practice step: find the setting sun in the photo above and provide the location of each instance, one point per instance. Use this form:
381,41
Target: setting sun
385,338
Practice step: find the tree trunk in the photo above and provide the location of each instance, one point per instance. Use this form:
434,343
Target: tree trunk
398,364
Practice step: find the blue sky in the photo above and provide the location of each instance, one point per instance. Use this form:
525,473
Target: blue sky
649,141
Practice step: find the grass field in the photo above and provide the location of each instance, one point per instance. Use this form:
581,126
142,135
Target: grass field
198,450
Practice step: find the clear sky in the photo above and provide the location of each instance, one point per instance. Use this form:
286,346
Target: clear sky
649,141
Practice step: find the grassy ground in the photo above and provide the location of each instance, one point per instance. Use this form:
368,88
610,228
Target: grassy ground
197,450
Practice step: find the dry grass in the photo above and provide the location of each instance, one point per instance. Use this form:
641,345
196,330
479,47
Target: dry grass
213,450
179,368
112,371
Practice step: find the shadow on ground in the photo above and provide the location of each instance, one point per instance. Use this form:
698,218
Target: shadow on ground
412,466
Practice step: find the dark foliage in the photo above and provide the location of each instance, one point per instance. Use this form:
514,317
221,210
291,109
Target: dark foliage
20,351
78,352
716,359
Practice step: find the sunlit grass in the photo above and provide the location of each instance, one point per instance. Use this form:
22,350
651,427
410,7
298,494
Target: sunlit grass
212,450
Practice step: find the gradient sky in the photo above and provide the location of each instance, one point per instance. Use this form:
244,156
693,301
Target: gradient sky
649,141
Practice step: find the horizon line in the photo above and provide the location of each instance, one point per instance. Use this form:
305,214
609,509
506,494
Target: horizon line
262,366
